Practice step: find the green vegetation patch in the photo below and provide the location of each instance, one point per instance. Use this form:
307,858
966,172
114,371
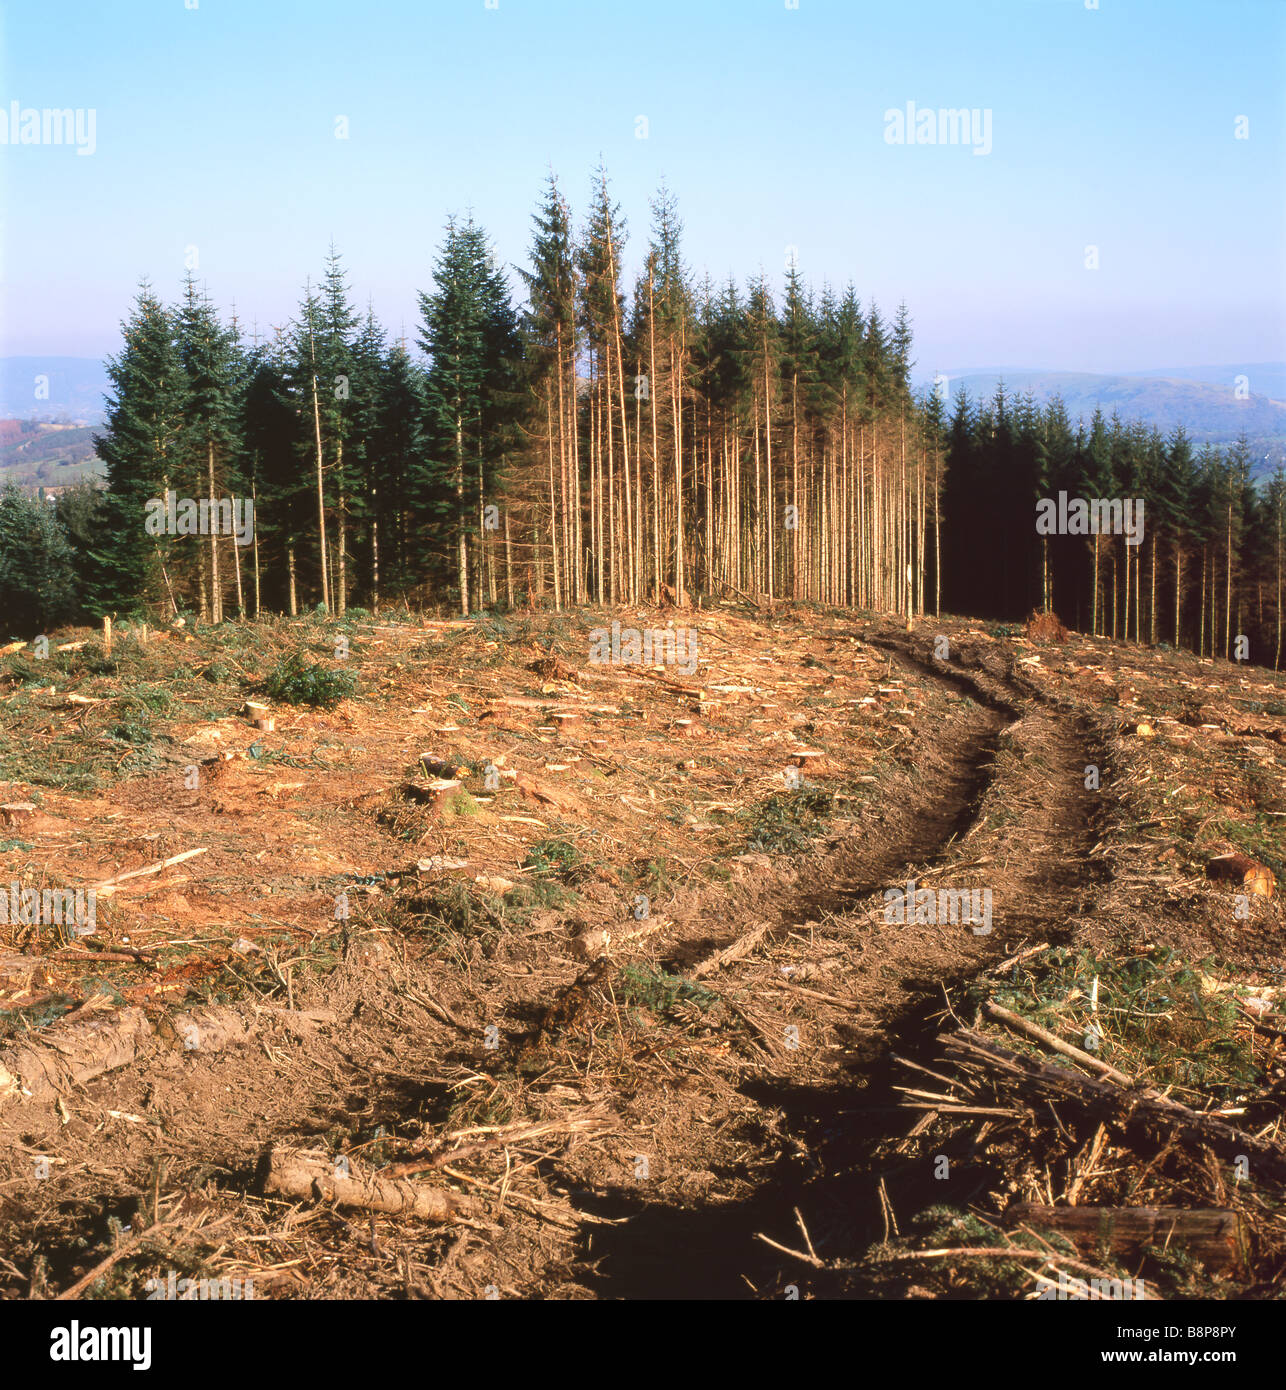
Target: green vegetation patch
297,681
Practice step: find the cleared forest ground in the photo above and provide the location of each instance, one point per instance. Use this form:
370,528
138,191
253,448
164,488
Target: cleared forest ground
624,1003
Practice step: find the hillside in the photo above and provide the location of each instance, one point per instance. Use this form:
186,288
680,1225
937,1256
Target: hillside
46,455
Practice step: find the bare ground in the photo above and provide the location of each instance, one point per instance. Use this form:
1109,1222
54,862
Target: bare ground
628,1114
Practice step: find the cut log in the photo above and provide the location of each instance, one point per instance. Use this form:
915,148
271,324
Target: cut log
64,1058
1214,1236
597,943
439,863
16,812
18,969
309,1175
1255,877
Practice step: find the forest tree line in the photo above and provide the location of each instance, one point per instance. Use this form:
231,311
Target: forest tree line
584,442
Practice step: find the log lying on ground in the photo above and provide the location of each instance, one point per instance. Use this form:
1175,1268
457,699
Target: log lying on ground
1214,1236
1129,1111
204,1029
58,1059
18,971
311,1175
66,1057
740,948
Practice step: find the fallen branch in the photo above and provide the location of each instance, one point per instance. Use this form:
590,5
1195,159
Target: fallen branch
1158,1118
108,885
1054,1043
1009,1252
741,947
126,1247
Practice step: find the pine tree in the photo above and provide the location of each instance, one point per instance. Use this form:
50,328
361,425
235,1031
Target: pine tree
139,447
470,334
208,443
548,327
37,568
398,453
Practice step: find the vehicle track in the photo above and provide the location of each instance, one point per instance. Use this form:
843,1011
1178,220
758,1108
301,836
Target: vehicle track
1009,810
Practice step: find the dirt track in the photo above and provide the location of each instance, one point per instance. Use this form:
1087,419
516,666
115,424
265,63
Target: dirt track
837,1113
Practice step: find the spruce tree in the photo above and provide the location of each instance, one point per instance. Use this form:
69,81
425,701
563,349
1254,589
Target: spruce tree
470,334
145,414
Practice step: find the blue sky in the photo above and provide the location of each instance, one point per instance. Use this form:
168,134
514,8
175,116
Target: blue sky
1112,127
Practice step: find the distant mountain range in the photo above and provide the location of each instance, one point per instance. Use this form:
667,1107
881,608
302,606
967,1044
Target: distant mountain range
1202,399
75,387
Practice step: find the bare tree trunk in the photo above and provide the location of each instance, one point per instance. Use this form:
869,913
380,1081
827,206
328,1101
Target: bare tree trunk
375,552
509,563
341,586
216,596
321,496
553,495
656,457
462,549
1227,628
255,499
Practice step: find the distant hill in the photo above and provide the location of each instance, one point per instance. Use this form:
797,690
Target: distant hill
76,389
1264,378
35,454
1200,398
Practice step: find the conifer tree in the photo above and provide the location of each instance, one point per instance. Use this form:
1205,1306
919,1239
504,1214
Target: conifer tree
469,332
139,447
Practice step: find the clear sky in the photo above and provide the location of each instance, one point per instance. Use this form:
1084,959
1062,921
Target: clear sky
1114,127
